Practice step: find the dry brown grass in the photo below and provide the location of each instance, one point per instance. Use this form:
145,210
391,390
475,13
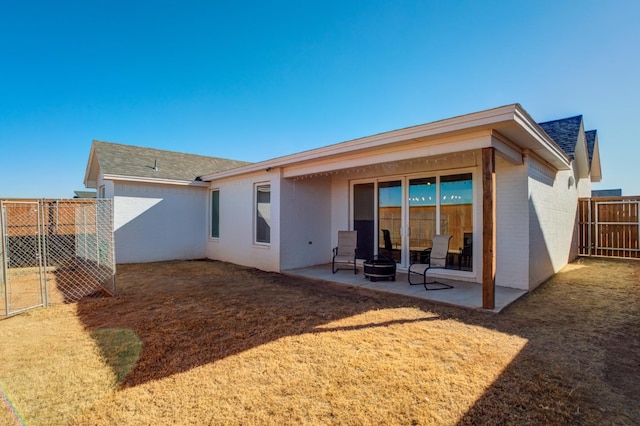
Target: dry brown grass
221,344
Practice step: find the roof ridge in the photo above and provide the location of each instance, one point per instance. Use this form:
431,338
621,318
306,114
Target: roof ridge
165,151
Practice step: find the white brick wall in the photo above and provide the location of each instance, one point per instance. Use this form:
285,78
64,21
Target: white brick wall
512,233
536,210
552,221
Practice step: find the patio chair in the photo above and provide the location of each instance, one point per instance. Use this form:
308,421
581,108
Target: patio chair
388,246
345,252
433,258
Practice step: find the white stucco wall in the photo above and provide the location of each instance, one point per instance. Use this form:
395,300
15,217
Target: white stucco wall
553,204
340,214
237,203
155,222
305,238
109,187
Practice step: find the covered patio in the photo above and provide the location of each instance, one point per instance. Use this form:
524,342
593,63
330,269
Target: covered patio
463,294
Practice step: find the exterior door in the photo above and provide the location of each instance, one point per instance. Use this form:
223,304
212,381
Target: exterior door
423,216
364,218
390,223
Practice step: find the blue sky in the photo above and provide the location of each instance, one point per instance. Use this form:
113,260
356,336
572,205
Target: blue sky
257,80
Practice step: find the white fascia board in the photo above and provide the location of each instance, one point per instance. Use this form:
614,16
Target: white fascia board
511,116
92,158
546,147
155,180
506,149
460,123
596,168
399,152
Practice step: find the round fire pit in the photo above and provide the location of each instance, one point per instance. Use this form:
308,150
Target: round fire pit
380,267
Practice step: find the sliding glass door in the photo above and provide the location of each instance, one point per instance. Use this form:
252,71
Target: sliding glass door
423,201
399,217
456,217
390,219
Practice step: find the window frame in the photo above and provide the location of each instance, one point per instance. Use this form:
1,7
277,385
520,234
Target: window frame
211,214
474,267
256,214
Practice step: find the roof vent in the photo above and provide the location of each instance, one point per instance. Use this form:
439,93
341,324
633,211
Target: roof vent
155,166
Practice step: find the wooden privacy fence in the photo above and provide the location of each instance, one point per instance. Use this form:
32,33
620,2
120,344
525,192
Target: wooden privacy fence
609,226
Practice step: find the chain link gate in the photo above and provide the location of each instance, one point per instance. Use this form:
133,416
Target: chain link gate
56,251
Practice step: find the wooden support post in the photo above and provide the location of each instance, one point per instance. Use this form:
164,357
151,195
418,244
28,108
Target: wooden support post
488,228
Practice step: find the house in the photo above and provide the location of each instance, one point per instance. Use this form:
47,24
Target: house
85,194
607,192
160,208
505,187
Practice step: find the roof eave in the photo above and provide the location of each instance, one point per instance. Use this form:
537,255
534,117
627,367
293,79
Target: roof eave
548,149
487,118
596,166
154,180
92,155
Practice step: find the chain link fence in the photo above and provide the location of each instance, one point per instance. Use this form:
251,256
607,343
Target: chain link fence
57,251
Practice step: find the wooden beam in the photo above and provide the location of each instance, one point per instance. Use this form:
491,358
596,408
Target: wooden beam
488,228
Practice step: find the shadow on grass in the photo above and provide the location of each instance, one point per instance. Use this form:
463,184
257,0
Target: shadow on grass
188,314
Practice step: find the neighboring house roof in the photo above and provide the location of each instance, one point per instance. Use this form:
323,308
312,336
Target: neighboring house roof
606,193
564,132
85,194
126,162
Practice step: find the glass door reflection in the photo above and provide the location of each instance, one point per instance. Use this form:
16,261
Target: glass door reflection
422,216
390,219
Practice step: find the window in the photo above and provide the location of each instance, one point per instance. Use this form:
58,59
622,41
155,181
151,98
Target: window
215,213
263,214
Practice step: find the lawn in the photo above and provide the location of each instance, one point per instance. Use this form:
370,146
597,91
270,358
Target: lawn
207,342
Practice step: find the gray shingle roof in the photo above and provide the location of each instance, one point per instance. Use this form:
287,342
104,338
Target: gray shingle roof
564,132
591,142
128,160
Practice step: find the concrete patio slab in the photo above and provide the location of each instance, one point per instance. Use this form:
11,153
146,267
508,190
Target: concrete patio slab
464,294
